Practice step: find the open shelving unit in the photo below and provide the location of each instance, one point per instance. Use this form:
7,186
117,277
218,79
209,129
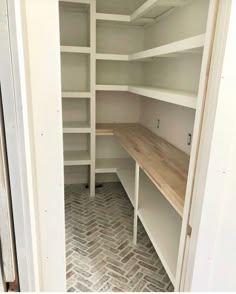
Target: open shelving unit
78,48
170,69
132,96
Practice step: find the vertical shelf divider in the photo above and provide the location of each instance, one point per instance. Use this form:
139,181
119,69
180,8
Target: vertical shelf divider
136,200
93,94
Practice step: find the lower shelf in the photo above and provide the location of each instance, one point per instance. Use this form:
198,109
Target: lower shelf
161,222
76,158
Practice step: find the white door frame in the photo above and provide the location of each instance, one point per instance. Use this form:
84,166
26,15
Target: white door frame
18,146
210,263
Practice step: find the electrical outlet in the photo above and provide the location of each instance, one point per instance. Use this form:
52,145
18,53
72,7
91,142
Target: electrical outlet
189,139
158,123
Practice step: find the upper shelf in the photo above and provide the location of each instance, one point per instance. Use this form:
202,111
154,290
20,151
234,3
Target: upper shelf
150,12
176,97
192,44
175,47
164,164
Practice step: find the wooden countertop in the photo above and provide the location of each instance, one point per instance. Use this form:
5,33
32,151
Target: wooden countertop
164,164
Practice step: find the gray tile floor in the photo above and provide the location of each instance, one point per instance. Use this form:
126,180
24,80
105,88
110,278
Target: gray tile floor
99,249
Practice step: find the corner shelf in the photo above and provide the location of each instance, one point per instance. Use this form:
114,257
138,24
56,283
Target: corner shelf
75,49
176,97
192,45
73,158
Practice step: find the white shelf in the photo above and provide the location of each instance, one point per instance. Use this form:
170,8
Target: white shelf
75,49
176,47
162,223
112,88
127,178
112,17
176,97
104,165
190,45
75,94
123,19
76,127
77,1
153,9
72,158
118,57
182,98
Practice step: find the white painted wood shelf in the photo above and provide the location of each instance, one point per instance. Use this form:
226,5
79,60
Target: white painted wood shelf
192,45
75,49
162,224
121,88
73,158
176,97
75,94
76,127
115,57
181,46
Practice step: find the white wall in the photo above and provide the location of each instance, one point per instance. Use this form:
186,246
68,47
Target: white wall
44,94
212,253
176,122
119,38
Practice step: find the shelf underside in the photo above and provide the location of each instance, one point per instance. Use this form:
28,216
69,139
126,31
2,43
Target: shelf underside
164,164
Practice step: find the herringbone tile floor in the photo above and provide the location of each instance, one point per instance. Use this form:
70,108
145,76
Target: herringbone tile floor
99,249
